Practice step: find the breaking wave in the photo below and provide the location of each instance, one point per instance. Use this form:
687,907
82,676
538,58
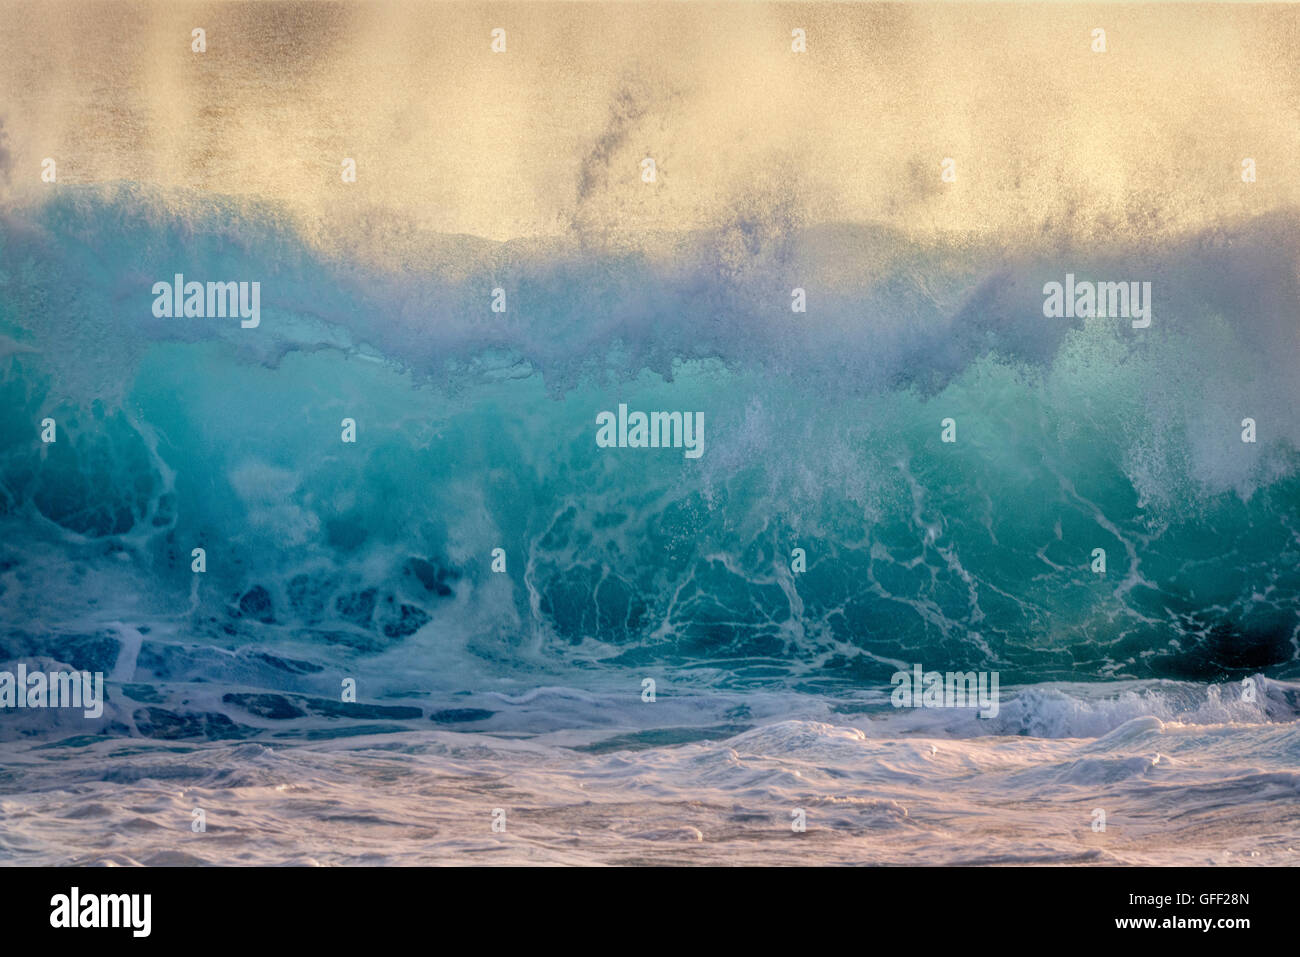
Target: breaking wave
476,432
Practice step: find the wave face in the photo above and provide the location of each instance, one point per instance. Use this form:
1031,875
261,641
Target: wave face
1162,688
476,431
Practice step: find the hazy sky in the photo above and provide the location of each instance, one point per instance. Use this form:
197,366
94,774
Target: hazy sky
1049,138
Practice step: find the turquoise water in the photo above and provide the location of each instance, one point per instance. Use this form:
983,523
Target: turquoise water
1162,687
822,432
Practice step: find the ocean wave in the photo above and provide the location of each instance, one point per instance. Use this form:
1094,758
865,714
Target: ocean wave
822,432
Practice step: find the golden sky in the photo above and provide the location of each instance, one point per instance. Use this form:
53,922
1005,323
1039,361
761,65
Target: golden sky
546,139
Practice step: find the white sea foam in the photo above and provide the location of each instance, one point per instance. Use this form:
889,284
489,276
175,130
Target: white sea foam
1172,793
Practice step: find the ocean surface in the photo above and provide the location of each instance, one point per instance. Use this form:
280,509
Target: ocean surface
1163,692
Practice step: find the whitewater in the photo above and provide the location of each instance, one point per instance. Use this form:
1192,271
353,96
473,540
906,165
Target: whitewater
497,587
